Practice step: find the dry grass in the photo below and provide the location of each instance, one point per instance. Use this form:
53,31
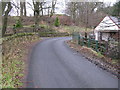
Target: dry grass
13,62
71,29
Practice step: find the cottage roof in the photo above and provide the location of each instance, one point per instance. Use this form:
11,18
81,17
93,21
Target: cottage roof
109,23
116,20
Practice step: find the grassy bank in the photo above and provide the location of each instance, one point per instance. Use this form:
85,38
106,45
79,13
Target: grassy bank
13,59
71,29
100,60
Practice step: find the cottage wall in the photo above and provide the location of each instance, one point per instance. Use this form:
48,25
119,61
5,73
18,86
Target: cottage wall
96,35
105,36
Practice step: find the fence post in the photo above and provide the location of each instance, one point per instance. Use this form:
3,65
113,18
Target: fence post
106,48
119,50
82,41
96,46
78,39
88,42
73,36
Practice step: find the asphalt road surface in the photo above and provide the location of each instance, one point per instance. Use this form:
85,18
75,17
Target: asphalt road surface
54,65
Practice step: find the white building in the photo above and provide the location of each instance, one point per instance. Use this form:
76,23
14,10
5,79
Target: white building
107,28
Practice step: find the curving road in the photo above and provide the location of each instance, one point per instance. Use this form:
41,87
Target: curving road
54,65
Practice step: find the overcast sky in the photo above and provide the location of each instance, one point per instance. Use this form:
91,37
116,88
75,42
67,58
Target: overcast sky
60,6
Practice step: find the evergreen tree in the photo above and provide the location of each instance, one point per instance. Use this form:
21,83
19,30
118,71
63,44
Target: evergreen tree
57,22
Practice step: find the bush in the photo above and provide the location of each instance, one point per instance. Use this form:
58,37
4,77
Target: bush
33,25
42,26
18,24
57,22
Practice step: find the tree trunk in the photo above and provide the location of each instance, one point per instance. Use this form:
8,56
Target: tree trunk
41,7
21,8
36,12
24,8
53,7
5,18
42,12
17,9
48,11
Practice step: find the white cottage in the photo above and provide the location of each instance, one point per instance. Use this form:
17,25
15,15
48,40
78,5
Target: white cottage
108,28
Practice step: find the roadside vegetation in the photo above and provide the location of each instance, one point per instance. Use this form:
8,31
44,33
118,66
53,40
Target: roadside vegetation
15,49
71,29
57,22
106,63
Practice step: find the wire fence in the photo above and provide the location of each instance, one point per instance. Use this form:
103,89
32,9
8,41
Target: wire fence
109,49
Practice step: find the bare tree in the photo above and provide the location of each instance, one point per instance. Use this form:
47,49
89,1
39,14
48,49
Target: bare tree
23,8
6,8
43,7
36,13
17,6
39,9
53,7
83,12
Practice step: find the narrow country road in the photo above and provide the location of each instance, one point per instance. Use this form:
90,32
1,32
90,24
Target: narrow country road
54,65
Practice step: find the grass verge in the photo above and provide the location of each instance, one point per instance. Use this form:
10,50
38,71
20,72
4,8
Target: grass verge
71,29
13,59
100,60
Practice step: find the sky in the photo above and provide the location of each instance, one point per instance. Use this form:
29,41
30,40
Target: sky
61,5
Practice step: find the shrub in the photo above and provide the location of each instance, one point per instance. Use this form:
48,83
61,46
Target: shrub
18,24
42,26
33,25
57,22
